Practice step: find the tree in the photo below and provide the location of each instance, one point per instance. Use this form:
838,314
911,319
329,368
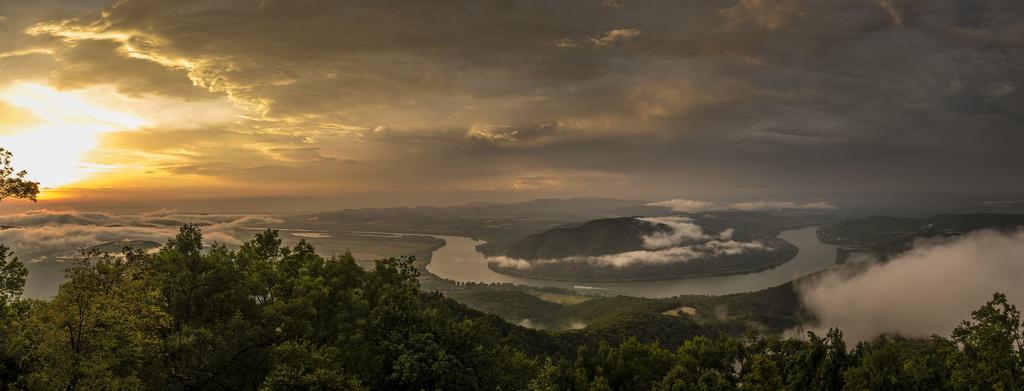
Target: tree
551,377
217,338
301,366
101,331
634,366
13,182
832,359
12,278
762,373
896,363
703,363
990,355
12,272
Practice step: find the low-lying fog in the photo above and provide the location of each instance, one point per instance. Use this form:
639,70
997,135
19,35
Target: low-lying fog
926,291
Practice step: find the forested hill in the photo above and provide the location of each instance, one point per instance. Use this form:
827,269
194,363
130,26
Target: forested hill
267,317
592,238
639,249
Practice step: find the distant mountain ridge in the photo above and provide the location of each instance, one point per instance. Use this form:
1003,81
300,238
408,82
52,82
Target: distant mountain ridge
487,221
584,206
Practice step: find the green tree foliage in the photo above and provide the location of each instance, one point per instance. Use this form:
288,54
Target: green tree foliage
895,363
101,331
12,281
704,364
12,277
989,353
13,182
265,317
269,317
299,366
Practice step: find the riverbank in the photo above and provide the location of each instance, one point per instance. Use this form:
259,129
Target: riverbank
458,261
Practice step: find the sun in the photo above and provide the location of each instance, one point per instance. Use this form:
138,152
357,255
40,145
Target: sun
50,132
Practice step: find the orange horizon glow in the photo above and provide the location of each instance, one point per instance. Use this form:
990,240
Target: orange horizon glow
55,131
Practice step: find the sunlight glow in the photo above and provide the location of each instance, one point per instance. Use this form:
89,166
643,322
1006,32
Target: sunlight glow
65,126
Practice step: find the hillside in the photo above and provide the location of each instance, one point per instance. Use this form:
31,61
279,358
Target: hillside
593,238
772,310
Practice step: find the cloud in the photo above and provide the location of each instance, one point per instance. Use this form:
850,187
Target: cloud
682,230
925,291
770,15
609,38
25,52
519,135
780,205
693,206
616,36
681,205
1003,204
45,239
43,235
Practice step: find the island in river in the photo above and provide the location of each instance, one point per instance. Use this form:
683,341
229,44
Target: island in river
459,261
641,249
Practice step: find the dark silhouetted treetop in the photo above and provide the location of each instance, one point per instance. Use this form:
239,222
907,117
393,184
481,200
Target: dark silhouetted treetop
13,182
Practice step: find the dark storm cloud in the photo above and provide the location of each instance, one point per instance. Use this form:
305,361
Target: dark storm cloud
644,98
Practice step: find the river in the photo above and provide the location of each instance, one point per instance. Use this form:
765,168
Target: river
458,260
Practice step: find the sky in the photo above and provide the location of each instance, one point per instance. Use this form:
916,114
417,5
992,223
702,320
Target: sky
288,105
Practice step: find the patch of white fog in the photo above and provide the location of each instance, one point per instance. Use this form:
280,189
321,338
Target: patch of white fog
682,230
527,323
311,235
685,241
926,291
44,235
